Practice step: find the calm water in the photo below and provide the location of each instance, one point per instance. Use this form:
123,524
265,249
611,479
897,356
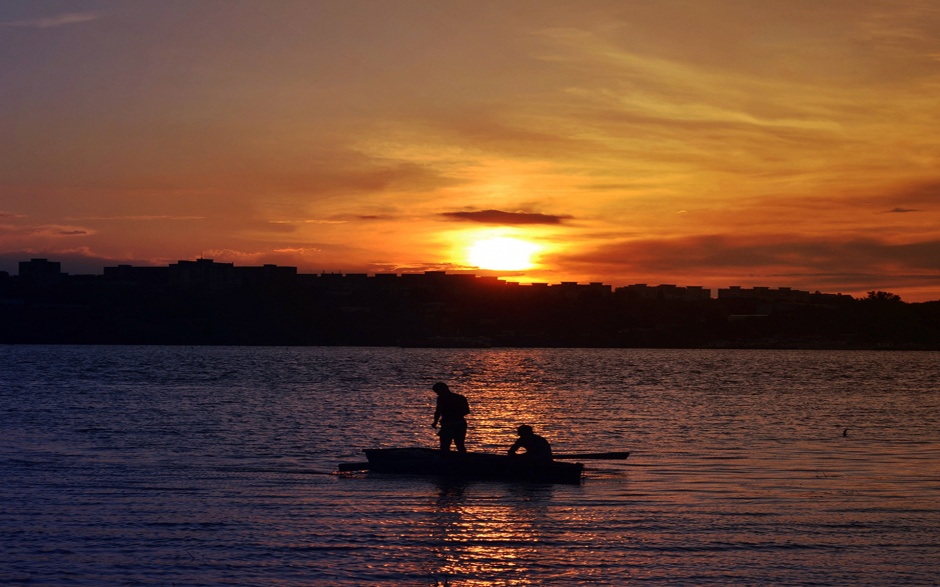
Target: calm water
209,466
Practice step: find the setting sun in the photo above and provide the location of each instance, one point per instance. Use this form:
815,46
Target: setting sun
502,253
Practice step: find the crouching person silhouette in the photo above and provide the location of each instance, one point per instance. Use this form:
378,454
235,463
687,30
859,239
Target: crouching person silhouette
537,449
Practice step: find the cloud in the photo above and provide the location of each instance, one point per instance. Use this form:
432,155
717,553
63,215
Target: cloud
900,210
923,194
143,217
54,21
45,230
298,250
506,218
771,260
768,253
293,226
308,221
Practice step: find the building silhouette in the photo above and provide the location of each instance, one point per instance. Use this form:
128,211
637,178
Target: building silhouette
41,272
207,302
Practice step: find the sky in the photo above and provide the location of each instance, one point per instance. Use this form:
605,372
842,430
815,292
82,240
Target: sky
790,143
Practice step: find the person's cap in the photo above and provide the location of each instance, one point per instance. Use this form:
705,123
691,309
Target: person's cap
440,387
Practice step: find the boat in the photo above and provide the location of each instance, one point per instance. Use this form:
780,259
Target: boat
470,466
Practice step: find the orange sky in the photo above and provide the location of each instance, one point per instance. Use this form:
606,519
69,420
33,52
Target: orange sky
690,142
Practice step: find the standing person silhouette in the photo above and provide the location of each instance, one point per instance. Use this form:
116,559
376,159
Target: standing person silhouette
450,411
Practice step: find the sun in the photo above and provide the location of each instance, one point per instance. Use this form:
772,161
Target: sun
502,254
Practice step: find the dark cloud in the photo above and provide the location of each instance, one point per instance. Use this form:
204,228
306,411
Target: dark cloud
507,218
717,251
45,230
913,197
773,260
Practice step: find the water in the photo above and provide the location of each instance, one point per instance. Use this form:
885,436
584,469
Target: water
210,466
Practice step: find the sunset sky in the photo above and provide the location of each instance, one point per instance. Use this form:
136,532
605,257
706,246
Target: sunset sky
771,143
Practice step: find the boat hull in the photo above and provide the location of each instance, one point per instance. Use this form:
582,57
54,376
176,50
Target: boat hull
471,466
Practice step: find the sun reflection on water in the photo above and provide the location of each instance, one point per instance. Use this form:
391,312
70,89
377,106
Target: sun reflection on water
498,534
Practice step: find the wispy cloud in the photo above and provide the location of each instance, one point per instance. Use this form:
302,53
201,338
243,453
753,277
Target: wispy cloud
145,217
791,260
308,221
46,230
54,21
506,218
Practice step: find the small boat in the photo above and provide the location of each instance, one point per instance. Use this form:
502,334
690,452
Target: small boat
467,466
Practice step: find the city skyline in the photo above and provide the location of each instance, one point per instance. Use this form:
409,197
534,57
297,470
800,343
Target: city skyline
205,302
715,142
47,271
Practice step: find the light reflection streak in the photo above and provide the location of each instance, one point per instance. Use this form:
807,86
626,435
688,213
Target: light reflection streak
476,538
